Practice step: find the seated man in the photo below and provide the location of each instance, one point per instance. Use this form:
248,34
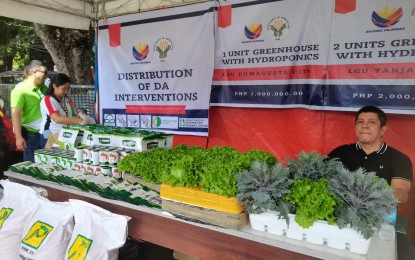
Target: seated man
374,155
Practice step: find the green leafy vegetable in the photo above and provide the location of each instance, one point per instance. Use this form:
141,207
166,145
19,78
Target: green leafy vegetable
221,166
213,170
184,167
313,200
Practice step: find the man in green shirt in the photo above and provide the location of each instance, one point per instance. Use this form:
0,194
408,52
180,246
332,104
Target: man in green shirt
25,104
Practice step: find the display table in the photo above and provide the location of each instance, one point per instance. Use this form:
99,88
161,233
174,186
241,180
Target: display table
206,241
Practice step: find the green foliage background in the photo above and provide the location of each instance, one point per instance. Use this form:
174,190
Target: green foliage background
18,44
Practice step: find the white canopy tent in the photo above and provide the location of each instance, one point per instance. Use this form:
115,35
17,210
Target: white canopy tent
78,14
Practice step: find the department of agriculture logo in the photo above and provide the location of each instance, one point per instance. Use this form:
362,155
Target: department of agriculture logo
278,28
163,49
80,248
253,31
387,17
4,214
140,51
37,234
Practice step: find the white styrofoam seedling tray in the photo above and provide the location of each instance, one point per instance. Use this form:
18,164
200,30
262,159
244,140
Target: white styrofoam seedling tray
319,233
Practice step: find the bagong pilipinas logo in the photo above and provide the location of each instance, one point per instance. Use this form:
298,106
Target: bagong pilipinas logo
278,28
140,51
387,17
163,49
253,31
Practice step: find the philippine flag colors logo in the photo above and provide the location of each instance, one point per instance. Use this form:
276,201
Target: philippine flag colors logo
140,51
387,17
253,31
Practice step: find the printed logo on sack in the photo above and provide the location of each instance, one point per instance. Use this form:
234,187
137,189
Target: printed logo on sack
67,134
163,49
37,234
253,31
278,28
4,214
89,137
80,248
387,17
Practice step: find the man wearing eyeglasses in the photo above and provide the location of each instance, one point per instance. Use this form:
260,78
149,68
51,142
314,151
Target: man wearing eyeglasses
25,104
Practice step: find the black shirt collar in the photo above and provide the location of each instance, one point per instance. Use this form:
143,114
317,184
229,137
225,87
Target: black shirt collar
381,150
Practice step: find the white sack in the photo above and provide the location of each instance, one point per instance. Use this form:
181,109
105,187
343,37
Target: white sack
47,232
98,233
18,203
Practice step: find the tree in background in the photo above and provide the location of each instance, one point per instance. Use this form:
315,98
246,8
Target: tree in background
71,50
19,43
9,33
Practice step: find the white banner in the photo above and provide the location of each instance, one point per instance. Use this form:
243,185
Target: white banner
320,54
372,56
273,54
155,69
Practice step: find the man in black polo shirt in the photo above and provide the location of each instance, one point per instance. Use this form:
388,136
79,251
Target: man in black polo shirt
374,155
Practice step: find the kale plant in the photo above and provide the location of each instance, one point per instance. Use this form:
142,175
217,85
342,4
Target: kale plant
365,200
262,188
312,166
